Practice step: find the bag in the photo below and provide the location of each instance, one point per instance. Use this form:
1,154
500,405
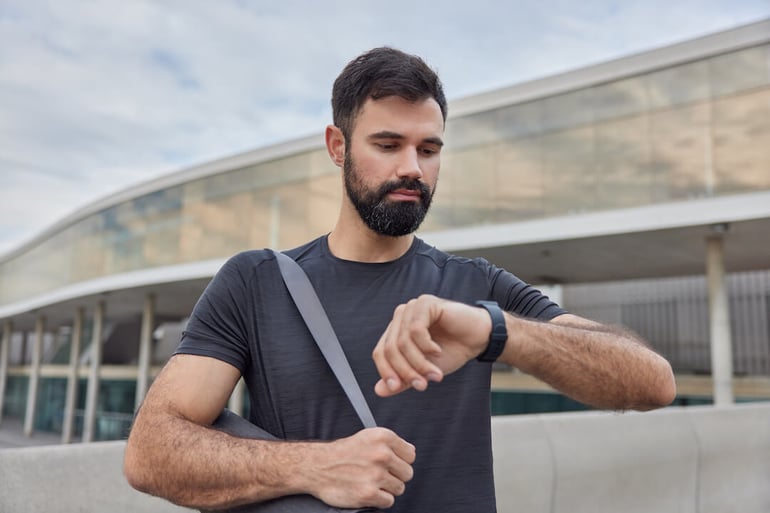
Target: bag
236,425
306,300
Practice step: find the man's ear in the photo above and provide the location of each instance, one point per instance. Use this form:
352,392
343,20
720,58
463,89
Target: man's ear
335,145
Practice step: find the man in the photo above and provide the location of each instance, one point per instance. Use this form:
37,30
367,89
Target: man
404,313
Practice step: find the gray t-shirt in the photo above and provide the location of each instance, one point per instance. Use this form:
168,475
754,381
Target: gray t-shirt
245,317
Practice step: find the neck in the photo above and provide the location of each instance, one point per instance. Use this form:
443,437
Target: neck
352,240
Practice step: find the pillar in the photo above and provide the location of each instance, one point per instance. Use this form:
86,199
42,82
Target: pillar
92,392
70,403
719,319
5,347
34,376
145,350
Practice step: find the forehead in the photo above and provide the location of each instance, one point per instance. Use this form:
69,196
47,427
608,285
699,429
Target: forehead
392,113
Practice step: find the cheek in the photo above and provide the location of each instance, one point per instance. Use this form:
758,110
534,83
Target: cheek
372,167
430,171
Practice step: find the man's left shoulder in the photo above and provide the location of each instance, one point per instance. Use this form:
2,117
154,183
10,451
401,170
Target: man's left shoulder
443,259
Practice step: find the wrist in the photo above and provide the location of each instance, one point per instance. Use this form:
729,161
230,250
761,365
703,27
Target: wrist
303,472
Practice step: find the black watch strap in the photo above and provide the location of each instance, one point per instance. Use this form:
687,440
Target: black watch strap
499,334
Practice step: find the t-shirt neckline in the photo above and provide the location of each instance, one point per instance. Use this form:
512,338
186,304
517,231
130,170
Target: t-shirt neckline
370,265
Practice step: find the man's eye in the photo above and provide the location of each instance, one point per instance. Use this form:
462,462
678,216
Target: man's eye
386,146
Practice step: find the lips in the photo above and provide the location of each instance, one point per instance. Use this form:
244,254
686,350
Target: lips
405,194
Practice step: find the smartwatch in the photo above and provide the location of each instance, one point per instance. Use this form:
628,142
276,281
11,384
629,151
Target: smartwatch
499,334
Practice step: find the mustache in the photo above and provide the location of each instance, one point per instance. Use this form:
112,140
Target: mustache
405,184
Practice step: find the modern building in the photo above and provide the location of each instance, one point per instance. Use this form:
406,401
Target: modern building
636,191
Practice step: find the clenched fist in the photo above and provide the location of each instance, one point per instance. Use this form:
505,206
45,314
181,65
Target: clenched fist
368,469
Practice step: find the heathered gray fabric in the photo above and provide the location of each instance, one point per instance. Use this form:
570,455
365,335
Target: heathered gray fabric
245,317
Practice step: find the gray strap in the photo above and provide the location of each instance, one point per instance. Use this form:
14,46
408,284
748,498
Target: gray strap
312,311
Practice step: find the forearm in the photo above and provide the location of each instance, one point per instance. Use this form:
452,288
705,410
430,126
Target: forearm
199,467
602,367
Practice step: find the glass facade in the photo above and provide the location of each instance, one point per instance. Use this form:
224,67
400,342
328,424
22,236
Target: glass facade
693,130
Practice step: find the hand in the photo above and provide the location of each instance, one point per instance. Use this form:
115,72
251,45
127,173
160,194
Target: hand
428,338
368,469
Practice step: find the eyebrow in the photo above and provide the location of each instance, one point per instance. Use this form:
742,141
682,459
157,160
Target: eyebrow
385,134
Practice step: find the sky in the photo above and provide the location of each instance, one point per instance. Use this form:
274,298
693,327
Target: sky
99,95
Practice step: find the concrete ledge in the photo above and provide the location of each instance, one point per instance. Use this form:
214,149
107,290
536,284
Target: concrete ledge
695,459
79,478
734,466
525,467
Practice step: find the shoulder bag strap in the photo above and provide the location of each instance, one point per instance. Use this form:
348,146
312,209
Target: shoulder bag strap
312,311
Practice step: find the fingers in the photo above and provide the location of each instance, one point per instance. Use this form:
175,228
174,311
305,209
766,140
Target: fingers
404,352
397,459
370,468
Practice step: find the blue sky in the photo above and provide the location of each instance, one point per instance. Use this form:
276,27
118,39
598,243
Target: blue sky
97,95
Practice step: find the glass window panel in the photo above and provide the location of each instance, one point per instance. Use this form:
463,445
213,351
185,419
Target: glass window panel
88,242
519,180
473,181
264,215
625,138
292,209
623,158
441,213
520,120
568,159
678,85
681,152
739,71
191,230
215,229
741,128
323,203
471,130
568,110
320,164
620,98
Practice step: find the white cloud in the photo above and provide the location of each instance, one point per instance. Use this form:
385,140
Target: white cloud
97,95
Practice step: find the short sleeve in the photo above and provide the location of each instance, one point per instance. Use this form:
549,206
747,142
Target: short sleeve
520,298
218,325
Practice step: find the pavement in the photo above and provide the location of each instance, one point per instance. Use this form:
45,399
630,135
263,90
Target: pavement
12,435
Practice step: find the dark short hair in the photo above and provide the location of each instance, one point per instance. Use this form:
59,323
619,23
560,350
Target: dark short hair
379,73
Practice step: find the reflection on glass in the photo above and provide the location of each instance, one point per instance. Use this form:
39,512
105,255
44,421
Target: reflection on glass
681,152
741,131
739,71
620,98
471,130
623,158
472,174
519,187
568,110
520,120
569,171
678,85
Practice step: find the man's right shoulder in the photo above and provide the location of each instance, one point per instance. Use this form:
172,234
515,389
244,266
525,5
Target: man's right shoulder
249,260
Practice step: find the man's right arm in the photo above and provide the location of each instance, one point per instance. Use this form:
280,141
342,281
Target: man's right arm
173,453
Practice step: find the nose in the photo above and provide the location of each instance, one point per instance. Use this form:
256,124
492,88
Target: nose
409,165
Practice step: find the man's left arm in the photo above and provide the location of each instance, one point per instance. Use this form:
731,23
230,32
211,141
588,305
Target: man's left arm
603,366
599,365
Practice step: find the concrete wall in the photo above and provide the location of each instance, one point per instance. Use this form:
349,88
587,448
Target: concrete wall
697,459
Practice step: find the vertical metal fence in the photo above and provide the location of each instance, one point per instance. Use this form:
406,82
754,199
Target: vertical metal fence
672,314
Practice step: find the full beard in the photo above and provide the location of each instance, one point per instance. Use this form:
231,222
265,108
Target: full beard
383,216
